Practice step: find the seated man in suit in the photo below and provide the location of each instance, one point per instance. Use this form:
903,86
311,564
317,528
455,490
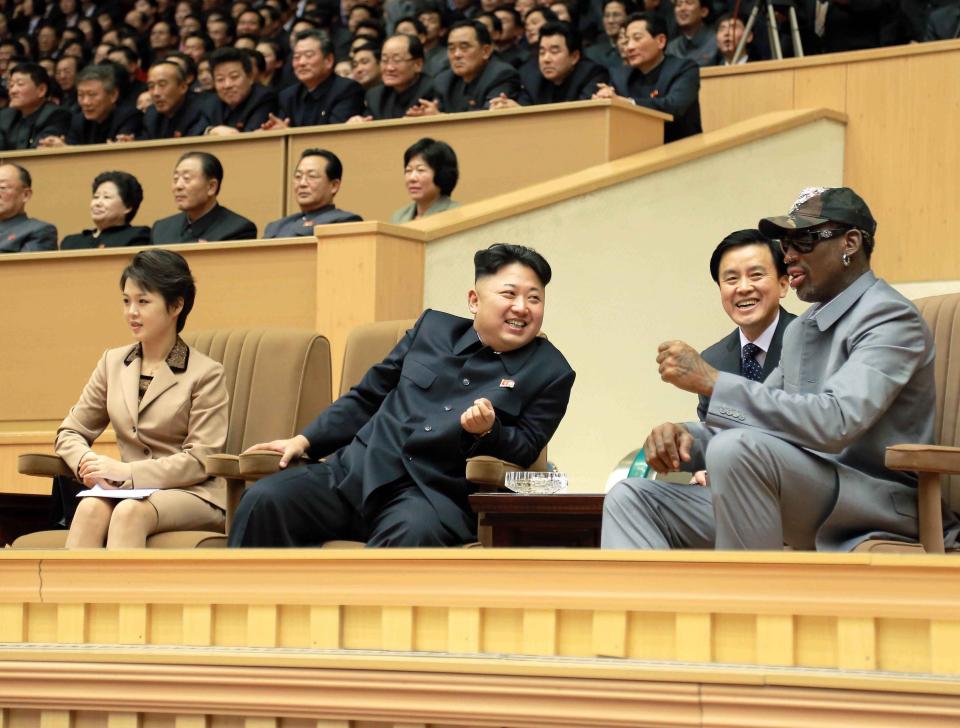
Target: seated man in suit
176,112
197,180
748,268
397,443
798,458
403,81
315,183
19,233
562,74
474,77
100,117
655,81
241,104
319,96
696,40
31,117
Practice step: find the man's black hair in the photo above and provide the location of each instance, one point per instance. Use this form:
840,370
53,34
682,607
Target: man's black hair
417,25
488,261
548,15
333,168
326,45
656,25
569,33
440,157
37,73
494,20
162,271
209,165
481,30
739,239
229,54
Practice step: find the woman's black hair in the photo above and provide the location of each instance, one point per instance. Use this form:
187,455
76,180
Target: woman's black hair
162,271
441,158
127,185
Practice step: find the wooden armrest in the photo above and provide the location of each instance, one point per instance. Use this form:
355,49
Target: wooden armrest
924,458
224,466
488,472
259,463
43,464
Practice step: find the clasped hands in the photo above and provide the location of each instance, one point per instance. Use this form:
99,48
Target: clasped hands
103,471
477,419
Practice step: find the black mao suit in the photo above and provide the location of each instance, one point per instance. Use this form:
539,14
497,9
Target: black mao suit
725,355
673,87
396,453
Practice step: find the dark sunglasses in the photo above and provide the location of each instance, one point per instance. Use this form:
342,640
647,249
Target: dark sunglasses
803,243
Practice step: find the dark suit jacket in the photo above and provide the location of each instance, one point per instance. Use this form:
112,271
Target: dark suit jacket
23,132
249,114
385,103
402,422
302,223
22,234
496,78
943,23
725,355
115,237
581,84
122,120
332,102
189,120
218,224
676,92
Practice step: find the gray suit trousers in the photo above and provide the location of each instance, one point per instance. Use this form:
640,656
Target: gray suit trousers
763,493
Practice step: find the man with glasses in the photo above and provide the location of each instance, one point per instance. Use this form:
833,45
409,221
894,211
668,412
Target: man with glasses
19,233
315,183
404,84
798,458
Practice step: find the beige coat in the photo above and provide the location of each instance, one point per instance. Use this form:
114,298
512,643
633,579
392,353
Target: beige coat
167,436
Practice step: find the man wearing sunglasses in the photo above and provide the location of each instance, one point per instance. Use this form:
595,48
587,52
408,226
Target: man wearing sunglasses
798,459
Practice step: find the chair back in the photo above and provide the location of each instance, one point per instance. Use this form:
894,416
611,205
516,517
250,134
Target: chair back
942,314
278,380
367,345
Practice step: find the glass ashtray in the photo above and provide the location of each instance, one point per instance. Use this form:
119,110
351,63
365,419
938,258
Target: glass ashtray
528,482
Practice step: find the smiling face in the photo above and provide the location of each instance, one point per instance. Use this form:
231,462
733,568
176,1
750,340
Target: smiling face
95,101
25,95
689,14
644,51
310,66
820,275
397,67
147,314
107,208
232,84
507,307
418,176
364,68
13,195
750,289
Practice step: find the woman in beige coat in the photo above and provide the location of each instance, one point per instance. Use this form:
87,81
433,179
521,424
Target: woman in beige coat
167,404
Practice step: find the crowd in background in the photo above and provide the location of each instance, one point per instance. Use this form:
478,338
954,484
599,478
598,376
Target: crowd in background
81,72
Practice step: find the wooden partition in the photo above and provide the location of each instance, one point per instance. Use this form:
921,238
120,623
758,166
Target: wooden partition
63,310
902,149
498,151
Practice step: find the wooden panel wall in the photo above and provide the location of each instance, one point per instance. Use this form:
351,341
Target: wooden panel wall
901,151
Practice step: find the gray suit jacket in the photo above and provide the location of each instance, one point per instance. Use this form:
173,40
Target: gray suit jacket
725,355
408,213
301,223
855,376
22,234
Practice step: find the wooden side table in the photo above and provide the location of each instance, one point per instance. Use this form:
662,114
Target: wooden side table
569,520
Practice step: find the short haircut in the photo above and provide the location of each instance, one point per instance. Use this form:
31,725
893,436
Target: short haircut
417,25
333,168
37,73
414,46
131,193
277,48
548,15
181,74
25,179
162,271
483,33
260,20
371,10
228,54
517,18
209,165
656,25
374,48
191,65
745,237
569,33
130,55
371,25
105,73
441,158
730,16
326,45
207,42
628,6
494,20
489,261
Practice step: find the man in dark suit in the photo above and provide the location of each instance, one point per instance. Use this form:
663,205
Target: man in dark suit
656,81
474,77
320,96
748,268
197,180
100,117
562,73
315,183
176,112
397,443
241,104
943,23
404,83
31,117
19,233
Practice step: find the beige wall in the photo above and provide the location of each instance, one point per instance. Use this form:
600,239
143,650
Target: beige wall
630,270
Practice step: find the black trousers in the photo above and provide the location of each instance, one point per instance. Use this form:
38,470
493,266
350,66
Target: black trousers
303,507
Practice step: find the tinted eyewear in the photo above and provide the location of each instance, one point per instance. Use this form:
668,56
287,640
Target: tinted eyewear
803,243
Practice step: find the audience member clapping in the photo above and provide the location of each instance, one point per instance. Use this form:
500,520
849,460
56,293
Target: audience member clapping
430,173
175,112
31,117
404,84
241,104
116,199
100,117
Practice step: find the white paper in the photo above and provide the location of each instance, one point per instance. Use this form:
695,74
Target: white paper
98,492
